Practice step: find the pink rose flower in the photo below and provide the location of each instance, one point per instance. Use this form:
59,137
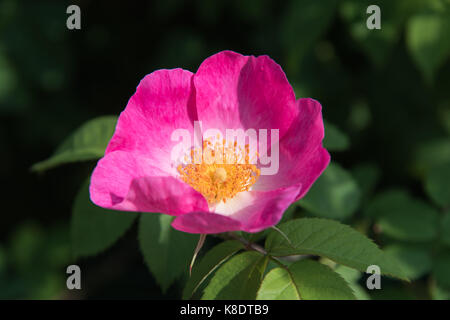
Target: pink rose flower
229,91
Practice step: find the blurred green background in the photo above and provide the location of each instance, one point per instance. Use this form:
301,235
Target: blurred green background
385,96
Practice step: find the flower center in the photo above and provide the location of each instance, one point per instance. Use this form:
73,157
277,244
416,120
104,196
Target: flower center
220,172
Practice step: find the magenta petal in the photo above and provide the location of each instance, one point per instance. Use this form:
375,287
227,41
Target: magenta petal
125,181
206,223
312,170
260,210
302,157
236,91
266,208
163,102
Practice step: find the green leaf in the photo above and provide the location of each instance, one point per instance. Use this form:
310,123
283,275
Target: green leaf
335,139
278,284
404,218
441,267
238,278
445,229
360,116
209,263
333,240
352,276
94,229
349,274
304,22
27,240
334,195
428,41
437,185
439,293
385,199
367,176
307,280
431,154
167,252
415,261
87,143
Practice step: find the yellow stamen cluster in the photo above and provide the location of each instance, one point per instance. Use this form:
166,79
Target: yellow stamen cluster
219,171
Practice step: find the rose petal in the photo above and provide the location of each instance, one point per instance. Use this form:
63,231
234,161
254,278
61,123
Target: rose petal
205,223
250,211
129,182
302,158
235,91
260,209
163,102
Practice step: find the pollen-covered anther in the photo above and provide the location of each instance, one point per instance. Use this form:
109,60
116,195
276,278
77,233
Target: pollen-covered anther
223,172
